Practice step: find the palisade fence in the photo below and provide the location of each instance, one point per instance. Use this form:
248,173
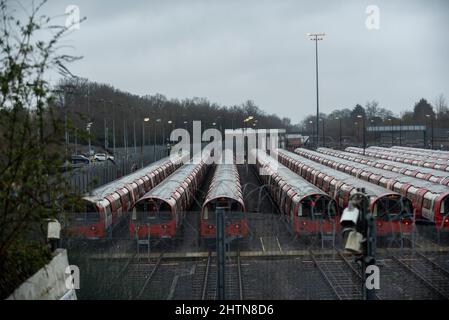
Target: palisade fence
87,177
116,268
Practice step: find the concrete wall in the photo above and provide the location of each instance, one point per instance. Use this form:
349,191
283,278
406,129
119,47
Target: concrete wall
49,283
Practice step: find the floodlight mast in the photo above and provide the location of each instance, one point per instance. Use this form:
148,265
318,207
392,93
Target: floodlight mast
317,37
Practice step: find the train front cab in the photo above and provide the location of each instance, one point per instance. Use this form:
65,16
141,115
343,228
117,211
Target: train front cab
153,218
314,214
394,217
440,207
236,223
94,222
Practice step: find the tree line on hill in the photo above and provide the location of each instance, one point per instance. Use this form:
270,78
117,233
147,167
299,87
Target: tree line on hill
350,121
138,118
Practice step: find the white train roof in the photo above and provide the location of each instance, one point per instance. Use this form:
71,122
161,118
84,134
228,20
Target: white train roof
104,190
434,172
427,155
418,183
301,186
401,155
225,183
166,188
439,152
370,188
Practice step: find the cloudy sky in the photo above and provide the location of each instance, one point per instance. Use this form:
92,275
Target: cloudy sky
234,50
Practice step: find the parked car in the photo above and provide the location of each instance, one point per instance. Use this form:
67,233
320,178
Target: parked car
79,159
100,157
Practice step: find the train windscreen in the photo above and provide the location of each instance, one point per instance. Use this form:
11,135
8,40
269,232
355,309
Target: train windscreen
444,208
149,210
232,209
317,207
90,216
393,207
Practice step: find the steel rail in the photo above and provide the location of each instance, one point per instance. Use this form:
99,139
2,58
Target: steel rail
329,282
147,281
206,276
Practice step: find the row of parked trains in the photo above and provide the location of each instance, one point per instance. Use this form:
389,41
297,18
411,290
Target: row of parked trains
414,158
430,201
310,189
159,197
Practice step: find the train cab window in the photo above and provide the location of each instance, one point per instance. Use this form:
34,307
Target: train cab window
444,208
319,208
236,207
91,215
206,212
426,203
164,211
392,208
223,204
305,208
144,211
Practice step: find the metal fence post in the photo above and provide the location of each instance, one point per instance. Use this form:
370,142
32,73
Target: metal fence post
219,214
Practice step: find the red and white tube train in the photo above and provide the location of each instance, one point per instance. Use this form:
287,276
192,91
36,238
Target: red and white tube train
309,210
427,174
428,154
225,192
414,160
423,151
161,211
393,211
430,200
104,206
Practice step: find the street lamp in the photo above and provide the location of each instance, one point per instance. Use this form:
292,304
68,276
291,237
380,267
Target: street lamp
170,122
360,116
146,119
431,121
105,125
311,124
391,126
89,125
154,140
322,128
339,120
316,37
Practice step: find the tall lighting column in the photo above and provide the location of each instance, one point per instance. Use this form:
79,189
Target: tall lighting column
317,37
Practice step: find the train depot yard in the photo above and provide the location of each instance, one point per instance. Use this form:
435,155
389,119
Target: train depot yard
282,234
215,158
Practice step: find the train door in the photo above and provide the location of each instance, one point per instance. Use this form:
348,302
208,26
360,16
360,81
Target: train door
106,208
293,209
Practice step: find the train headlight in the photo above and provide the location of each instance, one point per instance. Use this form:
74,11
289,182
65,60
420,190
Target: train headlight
164,226
92,228
210,226
237,226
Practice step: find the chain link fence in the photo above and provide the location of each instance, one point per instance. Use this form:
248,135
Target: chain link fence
272,262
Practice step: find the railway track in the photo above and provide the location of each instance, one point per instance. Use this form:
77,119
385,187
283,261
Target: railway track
427,271
344,280
233,279
149,277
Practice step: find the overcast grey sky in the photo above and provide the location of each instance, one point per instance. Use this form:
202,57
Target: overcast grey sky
234,50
